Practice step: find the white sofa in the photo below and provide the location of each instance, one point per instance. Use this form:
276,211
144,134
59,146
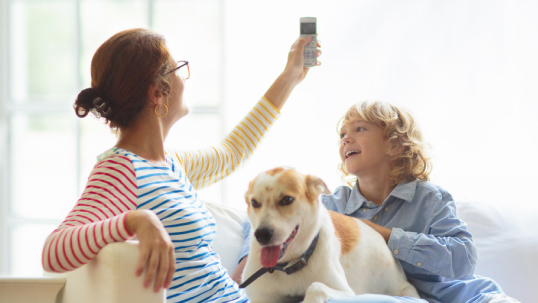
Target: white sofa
507,243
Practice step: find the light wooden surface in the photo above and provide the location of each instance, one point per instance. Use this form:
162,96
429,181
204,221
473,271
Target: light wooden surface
30,290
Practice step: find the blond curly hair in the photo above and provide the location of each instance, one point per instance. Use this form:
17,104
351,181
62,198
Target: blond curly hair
401,130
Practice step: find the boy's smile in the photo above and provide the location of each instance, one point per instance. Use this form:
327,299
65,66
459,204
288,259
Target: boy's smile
363,146
351,152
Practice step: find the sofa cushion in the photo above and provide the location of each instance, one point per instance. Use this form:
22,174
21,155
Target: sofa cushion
229,237
507,244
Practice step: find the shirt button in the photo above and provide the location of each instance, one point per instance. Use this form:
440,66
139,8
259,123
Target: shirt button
364,209
396,252
419,264
375,218
367,204
386,208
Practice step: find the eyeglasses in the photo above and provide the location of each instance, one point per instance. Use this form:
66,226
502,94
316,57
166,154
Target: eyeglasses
182,73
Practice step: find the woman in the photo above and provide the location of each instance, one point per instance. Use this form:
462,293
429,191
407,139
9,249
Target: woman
139,189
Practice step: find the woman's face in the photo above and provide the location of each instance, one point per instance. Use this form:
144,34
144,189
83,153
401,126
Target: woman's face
177,109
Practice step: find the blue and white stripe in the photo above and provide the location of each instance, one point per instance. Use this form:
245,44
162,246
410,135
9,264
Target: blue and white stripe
200,276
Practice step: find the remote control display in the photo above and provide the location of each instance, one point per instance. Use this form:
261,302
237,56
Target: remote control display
308,29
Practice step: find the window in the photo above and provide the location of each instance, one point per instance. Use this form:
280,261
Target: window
49,151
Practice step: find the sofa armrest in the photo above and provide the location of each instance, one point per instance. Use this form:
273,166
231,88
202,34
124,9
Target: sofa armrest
109,278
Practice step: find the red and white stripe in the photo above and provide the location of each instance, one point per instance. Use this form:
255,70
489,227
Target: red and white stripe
97,219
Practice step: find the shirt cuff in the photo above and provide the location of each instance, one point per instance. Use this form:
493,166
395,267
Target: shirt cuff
271,104
398,243
401,246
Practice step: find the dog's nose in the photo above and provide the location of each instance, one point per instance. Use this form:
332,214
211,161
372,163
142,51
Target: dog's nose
264,235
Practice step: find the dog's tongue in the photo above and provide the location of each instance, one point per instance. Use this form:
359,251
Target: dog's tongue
270,255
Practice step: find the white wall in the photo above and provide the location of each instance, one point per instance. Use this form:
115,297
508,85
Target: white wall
467,70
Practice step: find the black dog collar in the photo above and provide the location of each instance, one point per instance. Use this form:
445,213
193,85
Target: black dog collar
282,266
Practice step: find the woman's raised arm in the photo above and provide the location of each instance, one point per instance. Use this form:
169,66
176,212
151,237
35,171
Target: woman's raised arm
293,74
209,165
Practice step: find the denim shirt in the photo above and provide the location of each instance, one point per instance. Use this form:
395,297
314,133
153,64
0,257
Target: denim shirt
433,245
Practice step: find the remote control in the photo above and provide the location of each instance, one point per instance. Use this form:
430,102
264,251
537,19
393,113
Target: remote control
308,28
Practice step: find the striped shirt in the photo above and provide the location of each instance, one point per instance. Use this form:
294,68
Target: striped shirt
122,181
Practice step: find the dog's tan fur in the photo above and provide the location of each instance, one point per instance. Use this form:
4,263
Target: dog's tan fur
275,171
346,231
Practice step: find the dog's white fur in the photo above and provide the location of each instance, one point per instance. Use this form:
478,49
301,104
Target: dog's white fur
365,266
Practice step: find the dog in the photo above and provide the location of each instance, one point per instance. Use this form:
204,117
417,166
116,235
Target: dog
288,218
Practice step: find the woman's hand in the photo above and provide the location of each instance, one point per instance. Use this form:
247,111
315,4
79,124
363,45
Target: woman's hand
295,66
382,230
293,74
156,248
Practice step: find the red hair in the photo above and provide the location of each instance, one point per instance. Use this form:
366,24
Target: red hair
123,69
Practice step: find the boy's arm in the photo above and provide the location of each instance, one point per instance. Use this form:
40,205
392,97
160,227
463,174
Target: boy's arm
244,253
239,270
446,248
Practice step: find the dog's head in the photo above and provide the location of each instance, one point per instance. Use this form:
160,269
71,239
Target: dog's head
281,203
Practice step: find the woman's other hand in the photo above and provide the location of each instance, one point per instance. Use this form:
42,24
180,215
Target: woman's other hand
295,65
156,248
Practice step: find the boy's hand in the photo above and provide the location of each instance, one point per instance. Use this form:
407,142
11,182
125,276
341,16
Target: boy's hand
383,231
239,270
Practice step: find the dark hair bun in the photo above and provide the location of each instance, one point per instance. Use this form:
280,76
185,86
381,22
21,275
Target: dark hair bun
90,100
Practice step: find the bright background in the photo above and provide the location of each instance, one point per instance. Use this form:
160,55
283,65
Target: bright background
467,70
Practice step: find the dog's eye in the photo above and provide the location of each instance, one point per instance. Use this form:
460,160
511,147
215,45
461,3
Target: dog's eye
286,201
255,203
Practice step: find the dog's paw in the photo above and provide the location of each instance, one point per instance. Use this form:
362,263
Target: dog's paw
317,292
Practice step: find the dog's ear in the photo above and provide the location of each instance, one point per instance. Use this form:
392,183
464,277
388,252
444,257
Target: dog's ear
314,187
247,192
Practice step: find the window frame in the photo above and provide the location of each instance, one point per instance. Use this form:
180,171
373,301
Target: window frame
4,208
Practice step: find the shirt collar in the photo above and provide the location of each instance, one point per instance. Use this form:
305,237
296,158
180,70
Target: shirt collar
355,200
404,190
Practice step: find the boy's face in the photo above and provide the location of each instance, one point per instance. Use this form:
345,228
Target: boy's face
363,147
